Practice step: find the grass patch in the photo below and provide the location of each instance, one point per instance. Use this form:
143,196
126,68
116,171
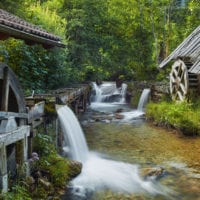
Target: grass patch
183,116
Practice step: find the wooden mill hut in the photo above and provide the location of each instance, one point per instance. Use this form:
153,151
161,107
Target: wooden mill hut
185,70
14,128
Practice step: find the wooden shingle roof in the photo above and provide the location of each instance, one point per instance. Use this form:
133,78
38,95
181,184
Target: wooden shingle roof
190,49
13,26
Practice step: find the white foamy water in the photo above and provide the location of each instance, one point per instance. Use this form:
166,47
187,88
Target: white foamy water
132,115
143,99
140,109
73,134
97,172
108,90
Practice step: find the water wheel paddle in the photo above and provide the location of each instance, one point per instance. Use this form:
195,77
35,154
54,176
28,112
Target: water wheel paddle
179,81
11,95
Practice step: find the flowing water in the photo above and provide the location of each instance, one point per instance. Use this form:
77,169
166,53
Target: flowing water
143,99
122,150
73,135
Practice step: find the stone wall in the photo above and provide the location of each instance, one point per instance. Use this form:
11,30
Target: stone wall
159,91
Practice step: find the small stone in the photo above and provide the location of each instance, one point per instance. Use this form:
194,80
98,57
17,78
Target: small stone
119,110
119,116
152,172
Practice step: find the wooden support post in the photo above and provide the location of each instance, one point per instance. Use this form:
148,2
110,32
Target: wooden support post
30,145
3,169
5,95
22,154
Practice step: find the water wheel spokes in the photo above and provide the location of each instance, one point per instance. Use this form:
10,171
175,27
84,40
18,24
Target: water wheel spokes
179,83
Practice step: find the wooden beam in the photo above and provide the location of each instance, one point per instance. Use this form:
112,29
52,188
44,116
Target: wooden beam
14,136
5,94
3,168
16,115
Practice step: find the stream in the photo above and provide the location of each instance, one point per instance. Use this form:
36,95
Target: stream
138,142
122,151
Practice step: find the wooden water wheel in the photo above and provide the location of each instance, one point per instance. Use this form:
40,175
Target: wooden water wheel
181,81
14,133
11,95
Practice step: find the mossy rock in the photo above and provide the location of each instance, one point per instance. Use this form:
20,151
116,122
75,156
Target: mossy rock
75,168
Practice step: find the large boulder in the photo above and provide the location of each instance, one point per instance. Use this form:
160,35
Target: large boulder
75,168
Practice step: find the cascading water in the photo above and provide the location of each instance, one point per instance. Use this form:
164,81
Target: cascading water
98,172
73,135
108,92
140,109
123,93
98,93
143,99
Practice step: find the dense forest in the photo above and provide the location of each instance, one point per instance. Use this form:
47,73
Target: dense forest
107,39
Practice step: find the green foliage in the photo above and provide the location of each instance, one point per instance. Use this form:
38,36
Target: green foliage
57,168
49,19
54,165
182,116
37,68
43,145
18,192
105,39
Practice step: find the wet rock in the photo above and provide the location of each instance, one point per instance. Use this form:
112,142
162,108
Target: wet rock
75,168
99,118
119,116
119,110
153,173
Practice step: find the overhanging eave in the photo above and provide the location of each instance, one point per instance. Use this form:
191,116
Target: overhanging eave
29,38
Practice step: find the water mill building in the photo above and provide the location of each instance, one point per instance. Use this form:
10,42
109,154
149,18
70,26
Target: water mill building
15,128
185,67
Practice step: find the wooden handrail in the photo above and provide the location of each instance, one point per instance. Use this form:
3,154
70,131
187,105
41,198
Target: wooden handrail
14,114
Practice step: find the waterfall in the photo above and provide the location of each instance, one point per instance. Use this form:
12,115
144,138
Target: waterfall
143,99
98,92
108,92
73,134
123,93
99,173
